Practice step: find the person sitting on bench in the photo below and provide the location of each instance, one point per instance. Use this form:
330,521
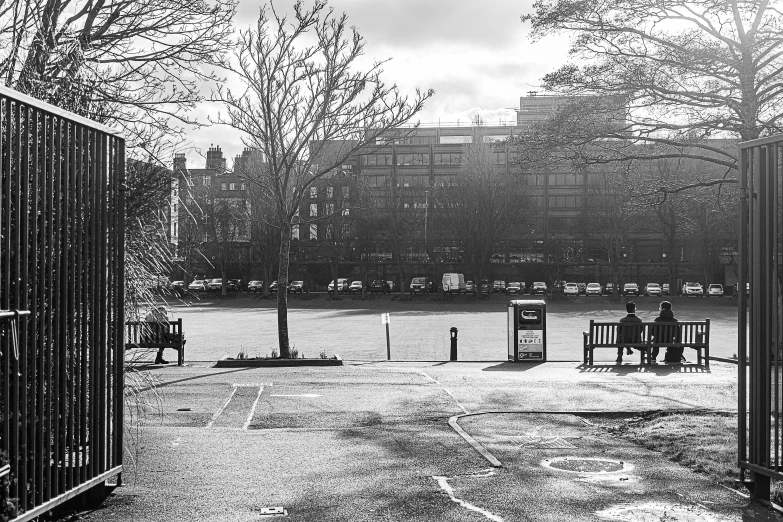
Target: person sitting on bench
159,329
629,332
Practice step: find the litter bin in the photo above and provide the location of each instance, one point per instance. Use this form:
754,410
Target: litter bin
527,331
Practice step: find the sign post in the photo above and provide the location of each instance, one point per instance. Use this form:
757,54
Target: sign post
385,320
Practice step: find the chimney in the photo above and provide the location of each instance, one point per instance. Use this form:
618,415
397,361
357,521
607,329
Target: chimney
180,163
215,159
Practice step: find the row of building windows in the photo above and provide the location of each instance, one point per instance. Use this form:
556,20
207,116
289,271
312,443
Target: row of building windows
328,192
565,201
439,158
233,186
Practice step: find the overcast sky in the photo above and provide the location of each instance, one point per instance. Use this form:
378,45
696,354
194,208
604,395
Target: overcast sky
476,55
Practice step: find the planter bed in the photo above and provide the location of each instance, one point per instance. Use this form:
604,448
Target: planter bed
273,363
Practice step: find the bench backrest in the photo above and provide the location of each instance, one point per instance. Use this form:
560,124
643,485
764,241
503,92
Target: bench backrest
137,332
682,333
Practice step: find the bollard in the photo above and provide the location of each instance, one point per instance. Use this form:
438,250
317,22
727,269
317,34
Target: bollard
453,343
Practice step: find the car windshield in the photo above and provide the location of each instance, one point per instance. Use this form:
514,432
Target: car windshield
652,285
217,280
716,287
418,281
297,283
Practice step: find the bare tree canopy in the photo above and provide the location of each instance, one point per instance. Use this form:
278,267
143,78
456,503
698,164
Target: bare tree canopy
135,64
689,71
307,106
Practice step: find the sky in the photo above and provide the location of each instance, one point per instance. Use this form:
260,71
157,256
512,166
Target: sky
476,56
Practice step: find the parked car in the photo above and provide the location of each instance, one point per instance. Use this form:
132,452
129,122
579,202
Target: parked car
355,287
582,288
273,286
470,287
571,289
609,288
255,286
379,285
652,289
215,284
630,289
498,287
198,285
593,289
514,288
453,283
538,288
234,285
342,285
421,285
665,289
484,287
298,287
715,290
177,286
691,288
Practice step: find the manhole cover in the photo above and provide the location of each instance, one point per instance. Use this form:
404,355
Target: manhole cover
644,512
586,465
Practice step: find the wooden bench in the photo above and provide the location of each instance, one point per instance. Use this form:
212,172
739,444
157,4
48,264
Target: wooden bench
690,334
153,336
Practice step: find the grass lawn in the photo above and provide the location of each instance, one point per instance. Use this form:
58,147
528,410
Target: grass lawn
703,442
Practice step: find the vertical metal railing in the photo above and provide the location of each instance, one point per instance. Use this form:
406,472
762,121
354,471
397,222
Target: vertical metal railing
759,333
61,302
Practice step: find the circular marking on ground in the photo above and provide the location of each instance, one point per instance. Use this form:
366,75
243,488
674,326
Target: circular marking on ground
649,511
587,465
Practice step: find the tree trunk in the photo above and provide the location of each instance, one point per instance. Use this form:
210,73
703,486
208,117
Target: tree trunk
334,267
223,280
282,294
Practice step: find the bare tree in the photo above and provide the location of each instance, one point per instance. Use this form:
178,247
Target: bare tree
612,214
677,73
307,107
484,205
132,64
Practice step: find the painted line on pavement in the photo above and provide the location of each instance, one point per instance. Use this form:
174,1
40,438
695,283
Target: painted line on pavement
252,409
443,482
220,410
444,389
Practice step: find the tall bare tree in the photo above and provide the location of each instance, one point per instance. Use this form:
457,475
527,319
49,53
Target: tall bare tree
685,71
132,64
483,205
307,106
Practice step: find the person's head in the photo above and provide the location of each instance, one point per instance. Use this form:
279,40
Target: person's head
630,307
665,305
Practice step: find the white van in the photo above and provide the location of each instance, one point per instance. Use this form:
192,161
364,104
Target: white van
454,283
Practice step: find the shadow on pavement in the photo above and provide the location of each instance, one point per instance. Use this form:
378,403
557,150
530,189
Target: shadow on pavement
512,367
625,369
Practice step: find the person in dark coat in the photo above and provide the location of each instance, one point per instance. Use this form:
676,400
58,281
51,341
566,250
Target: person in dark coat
630,331
666,332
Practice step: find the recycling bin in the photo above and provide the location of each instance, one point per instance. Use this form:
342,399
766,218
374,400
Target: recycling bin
527,331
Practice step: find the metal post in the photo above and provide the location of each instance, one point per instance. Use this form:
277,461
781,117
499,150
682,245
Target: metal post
388,345
453,344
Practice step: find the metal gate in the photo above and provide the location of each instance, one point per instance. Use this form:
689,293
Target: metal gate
61,302
760,451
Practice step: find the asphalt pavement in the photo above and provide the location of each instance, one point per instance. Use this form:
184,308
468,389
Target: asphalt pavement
417,441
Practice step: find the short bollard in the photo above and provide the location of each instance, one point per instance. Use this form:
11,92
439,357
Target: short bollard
453,343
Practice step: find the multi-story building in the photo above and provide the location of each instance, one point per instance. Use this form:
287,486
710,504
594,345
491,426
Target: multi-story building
211,230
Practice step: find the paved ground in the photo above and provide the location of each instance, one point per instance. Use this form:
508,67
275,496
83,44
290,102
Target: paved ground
373,441
419,329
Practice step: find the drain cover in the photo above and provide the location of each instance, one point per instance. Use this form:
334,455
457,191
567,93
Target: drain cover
659,511
274,511
586,465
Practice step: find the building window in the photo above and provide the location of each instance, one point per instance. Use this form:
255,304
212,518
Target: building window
566,179
413,159
500,158
328,209
313,210
243,187
206,180
330,192
346,192
232,186
295,232
444,158
565,201
313,232
224,186
313,192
